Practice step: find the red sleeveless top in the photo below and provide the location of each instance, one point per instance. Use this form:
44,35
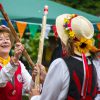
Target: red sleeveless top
12,90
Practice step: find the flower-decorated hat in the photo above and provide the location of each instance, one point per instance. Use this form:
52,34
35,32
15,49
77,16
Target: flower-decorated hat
75,27
68,23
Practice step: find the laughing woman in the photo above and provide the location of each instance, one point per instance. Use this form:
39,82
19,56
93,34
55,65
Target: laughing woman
13,75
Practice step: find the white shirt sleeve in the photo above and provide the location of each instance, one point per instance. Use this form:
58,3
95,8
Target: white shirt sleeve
27,79
97,66
35,97
56,83
6,74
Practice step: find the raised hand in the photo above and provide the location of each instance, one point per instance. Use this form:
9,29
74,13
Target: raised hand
17,53
42,72
18,50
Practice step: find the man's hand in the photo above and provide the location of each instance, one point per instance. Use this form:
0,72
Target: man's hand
42,72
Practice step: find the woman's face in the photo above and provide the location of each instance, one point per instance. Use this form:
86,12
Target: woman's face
5,44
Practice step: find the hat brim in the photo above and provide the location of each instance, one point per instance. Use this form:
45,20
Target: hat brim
60,29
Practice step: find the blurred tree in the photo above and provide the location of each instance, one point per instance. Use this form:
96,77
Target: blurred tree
89,6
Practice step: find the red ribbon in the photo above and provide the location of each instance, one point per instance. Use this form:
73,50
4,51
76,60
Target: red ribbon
69,24
86,76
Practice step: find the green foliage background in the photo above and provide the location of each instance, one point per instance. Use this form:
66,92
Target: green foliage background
89,6
31,45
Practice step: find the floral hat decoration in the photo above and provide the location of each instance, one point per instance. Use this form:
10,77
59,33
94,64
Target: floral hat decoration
67,26
77,28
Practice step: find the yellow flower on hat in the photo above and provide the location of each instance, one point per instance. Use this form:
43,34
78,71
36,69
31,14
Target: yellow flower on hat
68,29
71,34
84,45
66,20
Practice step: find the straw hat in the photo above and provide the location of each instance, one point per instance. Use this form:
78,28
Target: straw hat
81,26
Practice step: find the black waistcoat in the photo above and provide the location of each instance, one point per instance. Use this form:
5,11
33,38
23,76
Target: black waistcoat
76,79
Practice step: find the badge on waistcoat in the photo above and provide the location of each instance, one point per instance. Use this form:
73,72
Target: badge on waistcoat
19,77
14,92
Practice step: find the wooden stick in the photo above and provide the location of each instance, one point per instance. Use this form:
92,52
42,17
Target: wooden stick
41,44
15,35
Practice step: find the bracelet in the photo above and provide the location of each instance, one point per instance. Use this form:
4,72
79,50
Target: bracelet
13,63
